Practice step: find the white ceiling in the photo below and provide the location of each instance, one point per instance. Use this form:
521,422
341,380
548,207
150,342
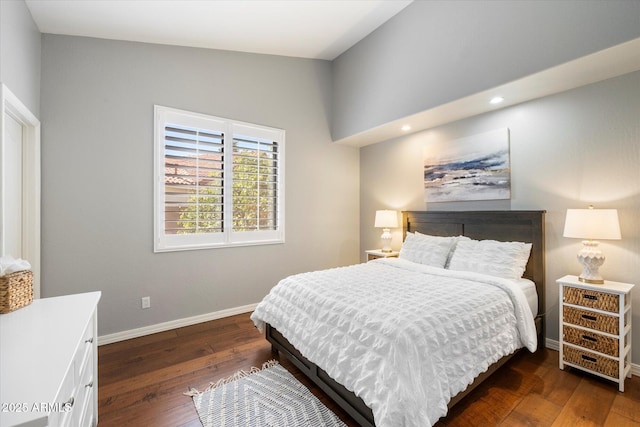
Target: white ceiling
320,29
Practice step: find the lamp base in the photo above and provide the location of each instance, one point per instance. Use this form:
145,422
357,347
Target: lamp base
591,258
591,281
386,240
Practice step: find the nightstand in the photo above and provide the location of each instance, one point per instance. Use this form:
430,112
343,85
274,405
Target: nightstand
377,253
595,328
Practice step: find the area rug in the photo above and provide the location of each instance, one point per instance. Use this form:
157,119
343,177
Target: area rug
263,397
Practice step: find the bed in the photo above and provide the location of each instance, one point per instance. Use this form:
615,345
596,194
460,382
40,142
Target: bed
392,400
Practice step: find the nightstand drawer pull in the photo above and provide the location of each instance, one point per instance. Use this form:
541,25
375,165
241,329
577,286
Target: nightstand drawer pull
589,338
589,358
591,297
588,317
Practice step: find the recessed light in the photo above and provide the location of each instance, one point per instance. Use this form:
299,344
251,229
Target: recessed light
405,128
496,100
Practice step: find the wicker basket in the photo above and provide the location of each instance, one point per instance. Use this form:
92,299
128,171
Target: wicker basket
591,319
16,291
592,361
593,299
591,340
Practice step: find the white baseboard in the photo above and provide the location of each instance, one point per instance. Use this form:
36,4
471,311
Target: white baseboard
173,324
555,345
552,344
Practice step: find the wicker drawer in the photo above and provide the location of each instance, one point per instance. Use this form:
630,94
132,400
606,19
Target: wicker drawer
593,299
591,361
591,340
590,319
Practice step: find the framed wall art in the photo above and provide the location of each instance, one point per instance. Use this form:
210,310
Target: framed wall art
470,168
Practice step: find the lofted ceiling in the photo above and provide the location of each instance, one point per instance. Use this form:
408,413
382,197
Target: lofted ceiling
605,64
318,29
321,29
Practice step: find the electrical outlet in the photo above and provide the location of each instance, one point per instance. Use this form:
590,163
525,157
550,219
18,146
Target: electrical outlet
146,302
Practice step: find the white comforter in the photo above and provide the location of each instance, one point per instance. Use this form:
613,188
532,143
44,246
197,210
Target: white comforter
404,337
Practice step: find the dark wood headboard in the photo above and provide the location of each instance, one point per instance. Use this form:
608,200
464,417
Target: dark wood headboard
504,226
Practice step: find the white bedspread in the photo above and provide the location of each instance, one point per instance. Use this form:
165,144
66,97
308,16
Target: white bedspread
404,337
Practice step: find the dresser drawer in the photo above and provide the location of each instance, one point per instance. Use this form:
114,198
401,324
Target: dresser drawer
593,299
591,361
88,416
591,340
61,413
591,319
85,350
84,393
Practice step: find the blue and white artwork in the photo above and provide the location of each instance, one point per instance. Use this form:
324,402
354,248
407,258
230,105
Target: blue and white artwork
471,168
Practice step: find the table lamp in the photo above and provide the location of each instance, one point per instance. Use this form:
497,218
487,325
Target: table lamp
386,219
590,224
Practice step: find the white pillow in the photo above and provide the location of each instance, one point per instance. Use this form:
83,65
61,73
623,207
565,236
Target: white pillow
501,259
455,239
425,249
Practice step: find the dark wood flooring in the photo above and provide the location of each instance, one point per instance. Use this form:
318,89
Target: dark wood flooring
142,381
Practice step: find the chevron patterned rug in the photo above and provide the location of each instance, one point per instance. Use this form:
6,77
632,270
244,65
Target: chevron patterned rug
267,397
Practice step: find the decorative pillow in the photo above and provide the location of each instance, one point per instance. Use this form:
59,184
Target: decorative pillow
501,259
428,250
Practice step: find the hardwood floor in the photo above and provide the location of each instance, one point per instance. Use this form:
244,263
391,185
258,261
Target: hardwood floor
142,381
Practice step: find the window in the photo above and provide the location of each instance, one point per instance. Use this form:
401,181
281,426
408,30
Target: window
218,182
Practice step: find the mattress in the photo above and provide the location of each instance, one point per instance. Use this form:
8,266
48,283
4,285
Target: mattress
531,294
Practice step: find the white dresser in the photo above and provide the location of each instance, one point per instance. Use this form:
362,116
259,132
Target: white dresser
595,328
48,363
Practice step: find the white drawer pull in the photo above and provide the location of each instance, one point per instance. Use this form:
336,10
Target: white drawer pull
89,341
89,385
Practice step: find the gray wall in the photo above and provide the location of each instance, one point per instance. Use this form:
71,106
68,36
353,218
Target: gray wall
567,151
434,52
97,173
20,53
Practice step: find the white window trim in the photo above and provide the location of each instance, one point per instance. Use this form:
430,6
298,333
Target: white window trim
229,238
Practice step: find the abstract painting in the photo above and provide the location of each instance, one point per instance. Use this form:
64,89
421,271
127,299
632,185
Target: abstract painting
471,168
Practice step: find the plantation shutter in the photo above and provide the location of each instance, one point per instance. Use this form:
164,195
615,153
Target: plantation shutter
193,172
217,182
255,184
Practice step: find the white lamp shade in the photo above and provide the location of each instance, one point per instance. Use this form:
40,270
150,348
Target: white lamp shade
386,219
592,224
